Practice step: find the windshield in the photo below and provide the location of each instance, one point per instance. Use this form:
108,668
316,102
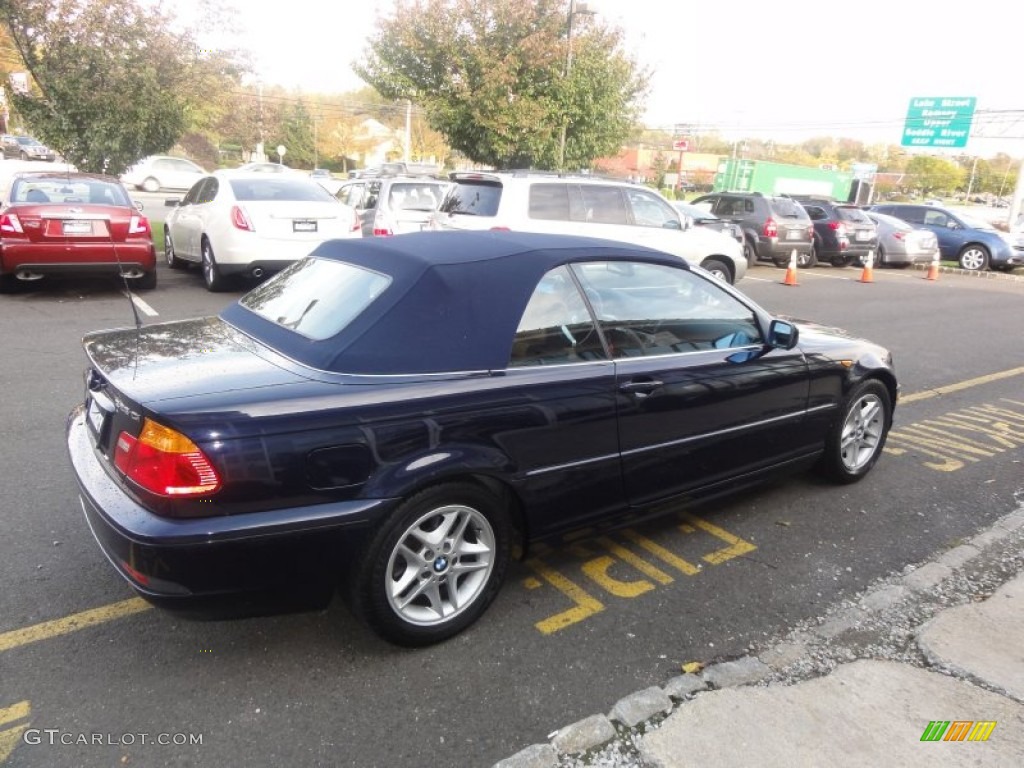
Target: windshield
316,297
65,190
473,198
279,190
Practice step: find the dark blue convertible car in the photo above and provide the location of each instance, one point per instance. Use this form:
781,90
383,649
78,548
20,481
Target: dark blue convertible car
395,416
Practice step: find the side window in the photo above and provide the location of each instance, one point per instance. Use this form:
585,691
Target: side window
163,165
936,219
651,211
350,194
193,194
603,205
208,191
913,215
557,327
748,206
729,206
370,195
549,202
648,309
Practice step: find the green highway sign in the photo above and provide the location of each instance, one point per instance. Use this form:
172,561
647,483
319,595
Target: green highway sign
940,121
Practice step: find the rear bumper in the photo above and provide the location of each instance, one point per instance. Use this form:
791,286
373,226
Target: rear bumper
201,564
780,250
77,259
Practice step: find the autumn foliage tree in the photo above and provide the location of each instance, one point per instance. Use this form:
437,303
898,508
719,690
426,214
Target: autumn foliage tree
490,76
112,79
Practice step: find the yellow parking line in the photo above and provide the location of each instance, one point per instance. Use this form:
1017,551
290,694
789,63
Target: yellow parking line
47,629
950,388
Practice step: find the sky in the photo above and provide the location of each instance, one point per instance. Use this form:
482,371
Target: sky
752,68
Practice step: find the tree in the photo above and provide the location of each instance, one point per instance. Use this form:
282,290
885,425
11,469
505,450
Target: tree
934,174
490,76
112,81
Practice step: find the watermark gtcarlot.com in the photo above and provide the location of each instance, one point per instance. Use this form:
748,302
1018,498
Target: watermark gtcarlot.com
56,737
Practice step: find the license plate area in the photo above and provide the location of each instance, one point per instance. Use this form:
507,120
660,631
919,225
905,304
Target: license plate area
98,420
863,234
76,227
303,225
794,234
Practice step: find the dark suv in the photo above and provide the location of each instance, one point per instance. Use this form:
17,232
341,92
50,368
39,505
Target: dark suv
773,227
843,233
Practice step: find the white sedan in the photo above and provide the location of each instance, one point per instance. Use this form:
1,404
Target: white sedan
252,224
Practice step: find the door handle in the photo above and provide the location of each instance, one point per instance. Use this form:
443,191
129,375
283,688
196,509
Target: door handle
641,387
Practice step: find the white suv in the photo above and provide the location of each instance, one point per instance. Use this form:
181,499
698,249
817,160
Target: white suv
534,201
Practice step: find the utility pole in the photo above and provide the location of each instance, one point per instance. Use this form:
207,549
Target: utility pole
408,130
970,183
574,10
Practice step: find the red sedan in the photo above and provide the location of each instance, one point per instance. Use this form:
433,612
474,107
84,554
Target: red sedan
73,224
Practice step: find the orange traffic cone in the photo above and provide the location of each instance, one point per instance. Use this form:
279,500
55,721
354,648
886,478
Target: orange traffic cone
868,275
790,278
933,270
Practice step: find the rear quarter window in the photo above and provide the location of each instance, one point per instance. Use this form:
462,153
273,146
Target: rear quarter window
549,202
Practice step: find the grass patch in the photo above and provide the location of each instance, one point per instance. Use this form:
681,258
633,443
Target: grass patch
158,235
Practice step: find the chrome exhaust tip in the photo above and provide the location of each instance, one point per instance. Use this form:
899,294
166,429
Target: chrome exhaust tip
28,275
257,272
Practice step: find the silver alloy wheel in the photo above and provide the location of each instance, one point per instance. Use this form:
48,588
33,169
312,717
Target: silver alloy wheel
440,565
209,269
169,250
973,258
862,432
151,185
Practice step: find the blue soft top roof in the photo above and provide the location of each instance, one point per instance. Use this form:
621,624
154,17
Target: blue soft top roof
454,302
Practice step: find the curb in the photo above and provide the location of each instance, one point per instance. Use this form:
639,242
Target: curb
799,654
1017,277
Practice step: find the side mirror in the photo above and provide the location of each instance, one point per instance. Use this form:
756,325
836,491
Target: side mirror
172,202
782,335
138,205
673,224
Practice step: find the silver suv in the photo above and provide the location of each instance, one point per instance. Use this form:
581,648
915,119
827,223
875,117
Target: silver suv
392,205
534,201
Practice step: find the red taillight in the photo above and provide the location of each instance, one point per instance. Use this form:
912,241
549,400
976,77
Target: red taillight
838,227
356,223
139,225
10,225
771,229
501,229
382,225
240,220
899,235
165,462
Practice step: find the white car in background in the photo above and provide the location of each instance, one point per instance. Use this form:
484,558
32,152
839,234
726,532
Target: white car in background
567,204
252,224
162,172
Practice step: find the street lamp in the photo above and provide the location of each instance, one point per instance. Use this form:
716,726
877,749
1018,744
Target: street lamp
575,9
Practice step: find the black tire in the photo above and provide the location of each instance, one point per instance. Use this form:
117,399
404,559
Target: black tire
855,441
145,283
172,261
9,284
719,269
974,258
214,280
414,614
23,156
749,252
842,261
880,258
807,260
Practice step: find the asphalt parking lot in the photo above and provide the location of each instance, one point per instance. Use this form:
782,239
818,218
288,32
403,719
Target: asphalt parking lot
576,626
